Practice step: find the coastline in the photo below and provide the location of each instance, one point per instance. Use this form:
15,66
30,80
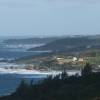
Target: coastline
36,72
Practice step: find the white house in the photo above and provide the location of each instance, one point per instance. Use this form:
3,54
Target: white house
75,59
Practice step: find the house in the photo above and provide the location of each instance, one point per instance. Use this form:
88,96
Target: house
30,67
64,60
75,59
80,59
60,58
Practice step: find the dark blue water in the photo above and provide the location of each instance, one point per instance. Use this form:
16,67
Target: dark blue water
9,82
9,85
15,53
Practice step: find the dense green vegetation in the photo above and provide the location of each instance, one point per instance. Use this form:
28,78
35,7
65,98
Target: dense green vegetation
71,44
61,87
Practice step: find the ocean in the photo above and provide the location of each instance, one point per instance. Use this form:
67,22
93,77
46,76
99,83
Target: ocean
9,82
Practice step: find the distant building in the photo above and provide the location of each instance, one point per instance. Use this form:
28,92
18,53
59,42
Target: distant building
69,60
75,59
60,58
30,67
81,60
63,60
99,66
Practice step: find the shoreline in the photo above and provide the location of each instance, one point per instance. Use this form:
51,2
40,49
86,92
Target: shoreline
36,72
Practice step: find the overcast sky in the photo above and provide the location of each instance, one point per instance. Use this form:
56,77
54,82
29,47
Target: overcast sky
49,17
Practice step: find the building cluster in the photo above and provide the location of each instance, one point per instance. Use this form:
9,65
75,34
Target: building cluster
69,60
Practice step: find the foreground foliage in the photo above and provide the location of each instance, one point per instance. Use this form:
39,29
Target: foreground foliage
61,87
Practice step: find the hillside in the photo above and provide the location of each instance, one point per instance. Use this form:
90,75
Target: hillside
30,40
71,44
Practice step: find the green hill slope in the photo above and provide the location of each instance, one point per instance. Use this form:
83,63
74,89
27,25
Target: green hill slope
71,44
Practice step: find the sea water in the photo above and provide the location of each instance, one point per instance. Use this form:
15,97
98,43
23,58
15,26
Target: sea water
10,81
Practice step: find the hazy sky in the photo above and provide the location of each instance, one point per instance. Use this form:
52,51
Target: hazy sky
49,17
